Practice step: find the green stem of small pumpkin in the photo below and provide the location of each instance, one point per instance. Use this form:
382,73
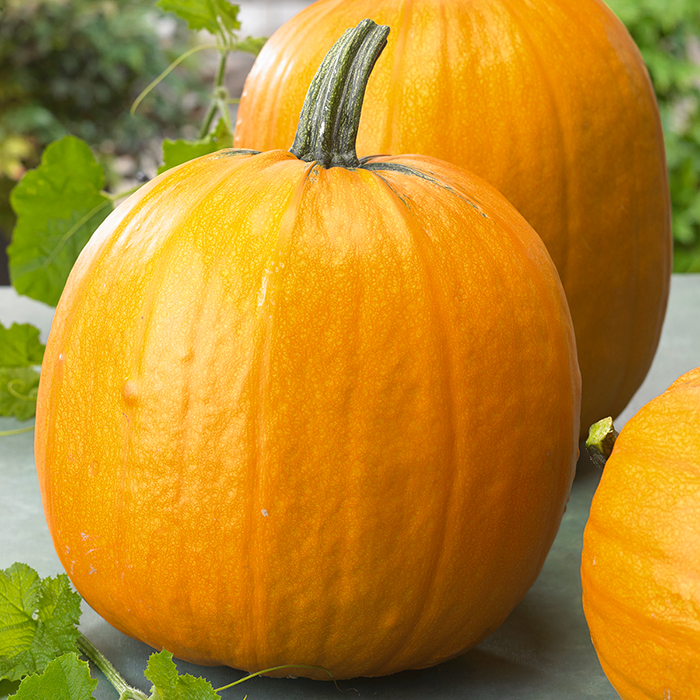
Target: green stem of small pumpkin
330,117
601,441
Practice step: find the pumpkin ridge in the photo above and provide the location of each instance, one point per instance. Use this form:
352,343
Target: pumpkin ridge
615,383
93,261
422,241
133,439
563,262
447,97
631,372
171,251
386,660
258,371
153,291
156,282
665,632
403,20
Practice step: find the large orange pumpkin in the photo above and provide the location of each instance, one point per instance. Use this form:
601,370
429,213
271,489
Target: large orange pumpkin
641,551
548,101
285,413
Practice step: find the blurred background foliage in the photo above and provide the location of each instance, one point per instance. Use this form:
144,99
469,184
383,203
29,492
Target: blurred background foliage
667,33
76,66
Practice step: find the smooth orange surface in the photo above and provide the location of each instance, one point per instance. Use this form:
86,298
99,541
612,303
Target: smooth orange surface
641,551
548,101
291,415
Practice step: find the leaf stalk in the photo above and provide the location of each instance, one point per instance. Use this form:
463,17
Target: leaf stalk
166,72
126,692
16,431
217,104
268,670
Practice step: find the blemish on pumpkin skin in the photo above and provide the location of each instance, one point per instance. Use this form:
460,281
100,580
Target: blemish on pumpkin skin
266,294
130,391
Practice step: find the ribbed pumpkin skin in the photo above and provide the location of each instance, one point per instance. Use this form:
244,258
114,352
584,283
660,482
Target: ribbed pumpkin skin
550,102
286,414
641,551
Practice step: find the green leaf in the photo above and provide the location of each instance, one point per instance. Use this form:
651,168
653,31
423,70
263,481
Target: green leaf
8,687
180,151
219,17
38,621
65,678
169,685
20,346
58,206
18,392
251,44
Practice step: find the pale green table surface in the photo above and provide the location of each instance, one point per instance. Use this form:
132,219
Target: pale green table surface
542,651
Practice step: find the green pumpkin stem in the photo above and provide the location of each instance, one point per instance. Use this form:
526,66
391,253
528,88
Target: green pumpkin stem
601,440
330,117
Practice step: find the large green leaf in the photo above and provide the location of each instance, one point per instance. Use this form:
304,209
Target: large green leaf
219,17
168,684
38,620
180,151
20,346
58,206
65,678
19,387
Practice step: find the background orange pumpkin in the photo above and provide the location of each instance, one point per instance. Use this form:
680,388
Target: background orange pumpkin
548,101
641,551
285,412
